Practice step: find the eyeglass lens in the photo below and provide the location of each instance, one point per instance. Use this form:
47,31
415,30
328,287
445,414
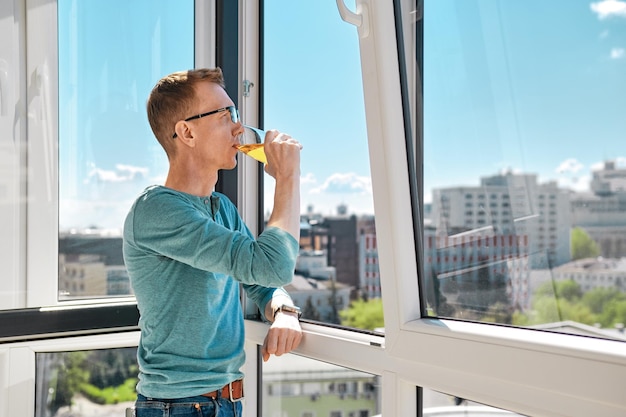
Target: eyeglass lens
234,114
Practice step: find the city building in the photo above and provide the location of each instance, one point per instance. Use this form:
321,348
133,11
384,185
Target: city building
91,264
343,249
337,237
601,212
509,204
463,260
369,271
320,300
294,386
594,273
315,288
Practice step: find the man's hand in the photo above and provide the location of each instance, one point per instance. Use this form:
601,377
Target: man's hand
283,155
284,335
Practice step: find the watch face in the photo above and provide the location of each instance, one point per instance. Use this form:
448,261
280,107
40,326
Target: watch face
291,309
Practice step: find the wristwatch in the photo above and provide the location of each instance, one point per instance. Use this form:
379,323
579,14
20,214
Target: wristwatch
290,309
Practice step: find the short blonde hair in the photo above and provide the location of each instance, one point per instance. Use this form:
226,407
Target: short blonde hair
172,99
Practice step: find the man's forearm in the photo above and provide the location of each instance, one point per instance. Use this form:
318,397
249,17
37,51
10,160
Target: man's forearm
286,212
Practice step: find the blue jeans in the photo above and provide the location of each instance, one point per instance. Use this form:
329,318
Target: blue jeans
197,406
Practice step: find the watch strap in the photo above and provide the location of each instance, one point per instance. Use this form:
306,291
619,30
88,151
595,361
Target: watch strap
288,308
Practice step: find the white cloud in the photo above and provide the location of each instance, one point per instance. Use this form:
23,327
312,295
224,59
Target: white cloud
122,173
597,166
132,170
609,8
308,179
343,188
578,183
604,34
345,183
573,175
617,53
570,165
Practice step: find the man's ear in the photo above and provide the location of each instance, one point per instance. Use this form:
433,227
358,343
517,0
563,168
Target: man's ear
184,133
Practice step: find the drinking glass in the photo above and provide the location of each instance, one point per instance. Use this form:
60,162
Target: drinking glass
252,143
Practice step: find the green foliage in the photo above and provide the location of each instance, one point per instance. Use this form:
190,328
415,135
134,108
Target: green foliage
70,375
564,300
110,368
103,376
600,298
111,395
363,314
582,245
614,312
498,312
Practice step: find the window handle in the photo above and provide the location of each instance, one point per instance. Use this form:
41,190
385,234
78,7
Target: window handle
358,18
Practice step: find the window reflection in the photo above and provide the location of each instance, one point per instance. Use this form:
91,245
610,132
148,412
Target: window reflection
524,220
85,383
313,91
294,386
107,152
437,404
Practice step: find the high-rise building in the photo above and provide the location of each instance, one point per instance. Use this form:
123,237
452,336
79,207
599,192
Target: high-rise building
602,211
369,271
509,204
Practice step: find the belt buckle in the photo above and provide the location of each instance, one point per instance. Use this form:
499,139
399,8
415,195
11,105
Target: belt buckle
230,392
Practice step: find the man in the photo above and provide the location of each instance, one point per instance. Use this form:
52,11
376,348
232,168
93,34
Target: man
187,250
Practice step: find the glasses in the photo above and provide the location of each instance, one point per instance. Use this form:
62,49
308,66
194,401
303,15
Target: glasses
234,115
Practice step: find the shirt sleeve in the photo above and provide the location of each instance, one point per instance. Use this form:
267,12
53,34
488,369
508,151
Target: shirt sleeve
168,224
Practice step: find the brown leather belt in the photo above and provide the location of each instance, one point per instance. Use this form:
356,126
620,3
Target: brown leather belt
233,391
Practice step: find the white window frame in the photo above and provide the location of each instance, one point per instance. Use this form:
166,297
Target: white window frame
18,366
12,155
42,208
522,370
42,145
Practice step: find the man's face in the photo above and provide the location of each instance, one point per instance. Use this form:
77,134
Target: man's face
215,135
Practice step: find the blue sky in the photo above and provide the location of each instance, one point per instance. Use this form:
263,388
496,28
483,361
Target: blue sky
537,87
314,91
532,86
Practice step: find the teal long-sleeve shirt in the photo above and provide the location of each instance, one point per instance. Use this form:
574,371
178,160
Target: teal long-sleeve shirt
186,256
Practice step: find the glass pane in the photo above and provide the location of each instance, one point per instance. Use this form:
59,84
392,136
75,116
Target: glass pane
294,386
111,53
85,383
524,166
313,91
437,404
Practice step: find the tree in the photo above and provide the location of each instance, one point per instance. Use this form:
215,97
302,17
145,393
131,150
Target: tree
598,298
614,313
361,314
71,375
609,305
582,245
309,311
